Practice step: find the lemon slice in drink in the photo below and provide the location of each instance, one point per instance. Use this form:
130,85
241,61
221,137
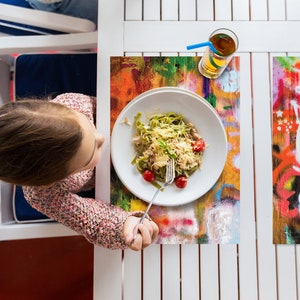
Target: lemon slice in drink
217,62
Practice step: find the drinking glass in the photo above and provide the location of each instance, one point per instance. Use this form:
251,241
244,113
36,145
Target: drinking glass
213,63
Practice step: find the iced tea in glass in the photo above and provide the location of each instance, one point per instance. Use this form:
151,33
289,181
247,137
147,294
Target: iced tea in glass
212,64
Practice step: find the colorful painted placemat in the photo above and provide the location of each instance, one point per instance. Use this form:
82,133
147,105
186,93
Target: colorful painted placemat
286,150
213,218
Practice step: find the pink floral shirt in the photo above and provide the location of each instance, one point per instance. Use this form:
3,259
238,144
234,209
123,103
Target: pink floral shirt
99,222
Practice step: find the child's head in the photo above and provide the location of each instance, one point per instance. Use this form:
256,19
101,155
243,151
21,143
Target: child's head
43,142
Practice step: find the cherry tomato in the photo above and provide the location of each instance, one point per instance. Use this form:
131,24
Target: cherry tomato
198,145
181,181
148,175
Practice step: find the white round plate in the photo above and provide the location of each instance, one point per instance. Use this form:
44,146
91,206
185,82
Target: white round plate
194,109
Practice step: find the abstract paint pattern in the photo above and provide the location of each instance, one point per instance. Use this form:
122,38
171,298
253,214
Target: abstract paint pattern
213,218
286,150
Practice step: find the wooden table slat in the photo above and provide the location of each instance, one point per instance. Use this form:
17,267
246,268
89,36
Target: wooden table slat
223,10
209,272
171,272
152,272
292,9
205,10
266,257
164,36
190,277
247,246
258,10
132,284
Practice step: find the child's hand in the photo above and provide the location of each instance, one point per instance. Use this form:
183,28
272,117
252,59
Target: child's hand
147,233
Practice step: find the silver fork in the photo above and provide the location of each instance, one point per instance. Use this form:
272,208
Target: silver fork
170,175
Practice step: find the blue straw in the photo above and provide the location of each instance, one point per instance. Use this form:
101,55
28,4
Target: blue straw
203,44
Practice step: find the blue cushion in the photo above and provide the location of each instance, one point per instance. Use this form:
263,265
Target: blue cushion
22,210
22,3
41,75
44,75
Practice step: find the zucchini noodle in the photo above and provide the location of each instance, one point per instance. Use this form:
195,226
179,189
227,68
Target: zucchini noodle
166,136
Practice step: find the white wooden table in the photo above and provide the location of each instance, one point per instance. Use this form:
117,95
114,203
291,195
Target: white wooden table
254,269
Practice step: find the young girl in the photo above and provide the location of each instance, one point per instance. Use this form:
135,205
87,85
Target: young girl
51,149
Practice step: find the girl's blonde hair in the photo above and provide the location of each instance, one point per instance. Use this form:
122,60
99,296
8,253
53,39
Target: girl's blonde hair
38,139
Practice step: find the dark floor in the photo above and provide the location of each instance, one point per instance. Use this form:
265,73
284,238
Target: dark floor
42,269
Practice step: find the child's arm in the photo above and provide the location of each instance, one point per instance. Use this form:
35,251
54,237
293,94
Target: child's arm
99,222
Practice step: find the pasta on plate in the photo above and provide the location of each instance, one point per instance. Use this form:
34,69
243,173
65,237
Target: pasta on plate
167,136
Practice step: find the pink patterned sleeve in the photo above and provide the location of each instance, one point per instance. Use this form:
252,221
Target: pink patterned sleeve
100,223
